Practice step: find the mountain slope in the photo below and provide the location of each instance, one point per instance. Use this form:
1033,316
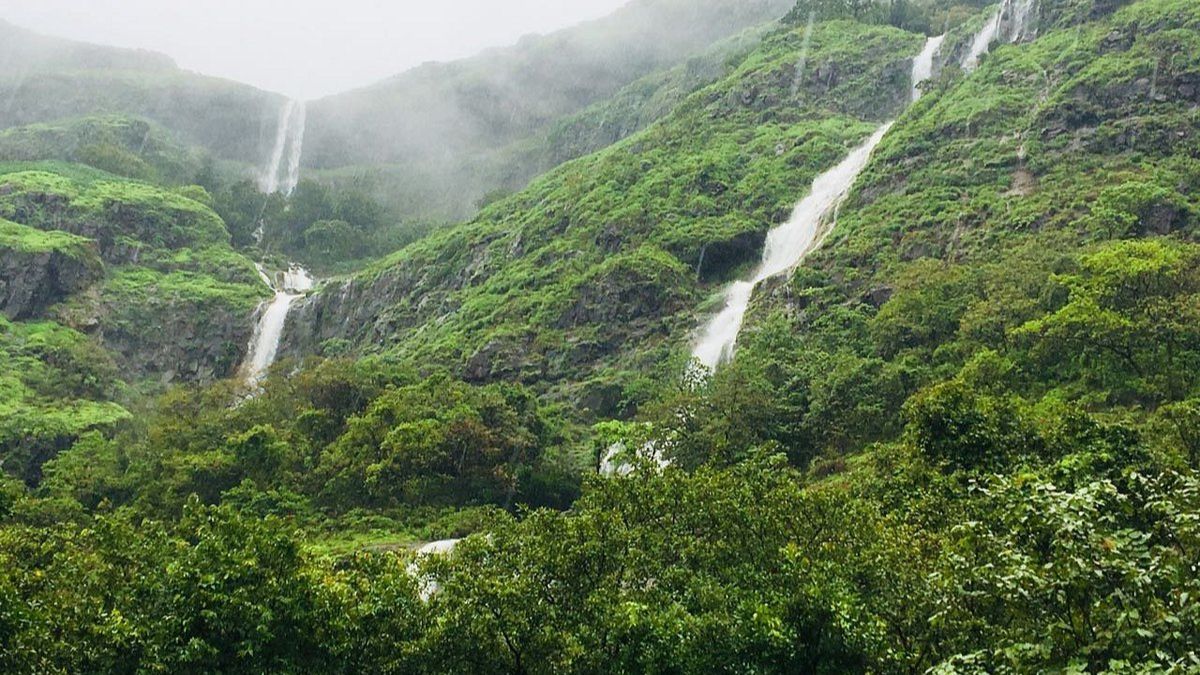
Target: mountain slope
107,286
46,79
429,125
960,438
606,257
1057,167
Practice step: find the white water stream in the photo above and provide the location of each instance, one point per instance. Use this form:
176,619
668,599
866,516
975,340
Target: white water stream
922,68
289,141
786,247
298,125
292,285
983,41
1010,22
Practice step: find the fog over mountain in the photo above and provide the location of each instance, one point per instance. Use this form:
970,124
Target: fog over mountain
286,46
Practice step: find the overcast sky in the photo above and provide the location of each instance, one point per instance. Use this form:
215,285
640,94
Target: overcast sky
306,48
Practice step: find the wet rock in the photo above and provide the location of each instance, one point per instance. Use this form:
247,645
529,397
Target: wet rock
181,344
32,281
827,75
879,296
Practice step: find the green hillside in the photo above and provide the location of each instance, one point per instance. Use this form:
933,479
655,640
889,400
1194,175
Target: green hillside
46,80
418,139
127,147
107,286
596,270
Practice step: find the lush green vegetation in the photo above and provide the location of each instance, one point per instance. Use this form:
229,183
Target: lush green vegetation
56,385
331,228
106,283
961,438
29,240
336,437
122,146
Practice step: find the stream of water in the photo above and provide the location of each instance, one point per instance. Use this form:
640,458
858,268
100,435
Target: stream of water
289,286
289,142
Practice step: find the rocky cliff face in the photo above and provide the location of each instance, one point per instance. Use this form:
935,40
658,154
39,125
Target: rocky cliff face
185,347
32,281
359,311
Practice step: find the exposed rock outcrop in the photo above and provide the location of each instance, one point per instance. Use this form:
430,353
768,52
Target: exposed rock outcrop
32,279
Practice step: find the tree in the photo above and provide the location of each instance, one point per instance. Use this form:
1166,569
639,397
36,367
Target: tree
1131,324
331,241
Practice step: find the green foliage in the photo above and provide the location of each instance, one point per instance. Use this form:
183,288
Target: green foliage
56,385
122,146
30,240
110,212
1129,326
960,439
339,436
215,592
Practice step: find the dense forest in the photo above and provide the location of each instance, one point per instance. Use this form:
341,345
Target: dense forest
962,435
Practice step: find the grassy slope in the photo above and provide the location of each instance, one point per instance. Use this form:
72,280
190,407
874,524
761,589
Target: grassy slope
31,240
125,146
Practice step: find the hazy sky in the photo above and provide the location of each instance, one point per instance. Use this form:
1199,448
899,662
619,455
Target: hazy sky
305,48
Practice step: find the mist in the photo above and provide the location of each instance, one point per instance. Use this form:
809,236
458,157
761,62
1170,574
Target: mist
302,48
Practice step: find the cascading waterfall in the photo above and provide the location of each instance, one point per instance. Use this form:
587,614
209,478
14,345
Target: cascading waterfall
295,282
297,148
922,68
1020,20
788,244
268,180
1010,22
264,345
983,41
786,247
289,141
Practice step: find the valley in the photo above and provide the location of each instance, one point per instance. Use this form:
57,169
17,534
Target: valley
810,336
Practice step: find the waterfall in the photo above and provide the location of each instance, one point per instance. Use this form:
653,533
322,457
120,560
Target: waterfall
295,282
1010,22
786,247
297,142
427,586
289,139
264,345
788,244
268,180
1020,16
983,41
922,68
